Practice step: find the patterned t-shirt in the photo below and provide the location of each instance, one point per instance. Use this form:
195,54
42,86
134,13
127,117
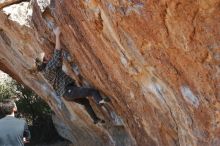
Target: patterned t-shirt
55,75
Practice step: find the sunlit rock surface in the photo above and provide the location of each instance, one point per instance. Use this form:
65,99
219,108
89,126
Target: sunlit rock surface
158,61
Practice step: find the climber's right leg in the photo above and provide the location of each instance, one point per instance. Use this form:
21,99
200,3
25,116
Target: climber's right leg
73,92
89,109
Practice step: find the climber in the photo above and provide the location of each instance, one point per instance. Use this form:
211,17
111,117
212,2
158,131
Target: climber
63,84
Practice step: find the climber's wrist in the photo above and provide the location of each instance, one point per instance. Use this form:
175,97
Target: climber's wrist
57,35
57,47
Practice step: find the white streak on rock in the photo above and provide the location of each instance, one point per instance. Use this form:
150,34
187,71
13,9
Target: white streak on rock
43,4
117,120
124,61
46,89
20,13
76,69
111,7
132,95
156,89
64,68
189,96
135,8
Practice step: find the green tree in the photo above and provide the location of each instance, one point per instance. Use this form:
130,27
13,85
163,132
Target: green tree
33,109
7,88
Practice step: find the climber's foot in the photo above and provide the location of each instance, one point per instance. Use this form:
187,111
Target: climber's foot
101,102
97,121
104,101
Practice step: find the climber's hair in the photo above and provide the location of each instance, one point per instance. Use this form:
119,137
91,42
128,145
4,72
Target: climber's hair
40,64
7,106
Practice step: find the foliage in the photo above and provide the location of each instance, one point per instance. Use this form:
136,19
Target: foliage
31,107
7,88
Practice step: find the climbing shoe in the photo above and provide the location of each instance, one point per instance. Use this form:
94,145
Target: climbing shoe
99,121
104,101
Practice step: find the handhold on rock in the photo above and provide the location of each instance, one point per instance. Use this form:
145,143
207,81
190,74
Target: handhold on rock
66,56
75,69
114,118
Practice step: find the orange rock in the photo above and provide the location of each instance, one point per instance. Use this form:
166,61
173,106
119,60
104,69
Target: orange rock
158,61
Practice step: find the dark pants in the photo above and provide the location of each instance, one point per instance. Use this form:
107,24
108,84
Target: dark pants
79,94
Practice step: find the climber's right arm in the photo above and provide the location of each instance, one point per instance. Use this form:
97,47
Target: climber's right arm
56,61
57,34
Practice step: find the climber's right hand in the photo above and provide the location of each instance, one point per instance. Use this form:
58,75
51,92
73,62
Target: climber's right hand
56,31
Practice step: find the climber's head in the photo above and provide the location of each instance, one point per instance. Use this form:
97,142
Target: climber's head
41,62
46,58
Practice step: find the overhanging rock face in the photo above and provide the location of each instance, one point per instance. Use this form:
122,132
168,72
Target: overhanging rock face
158,61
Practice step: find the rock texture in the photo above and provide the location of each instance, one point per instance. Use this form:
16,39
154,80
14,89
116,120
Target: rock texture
158,61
